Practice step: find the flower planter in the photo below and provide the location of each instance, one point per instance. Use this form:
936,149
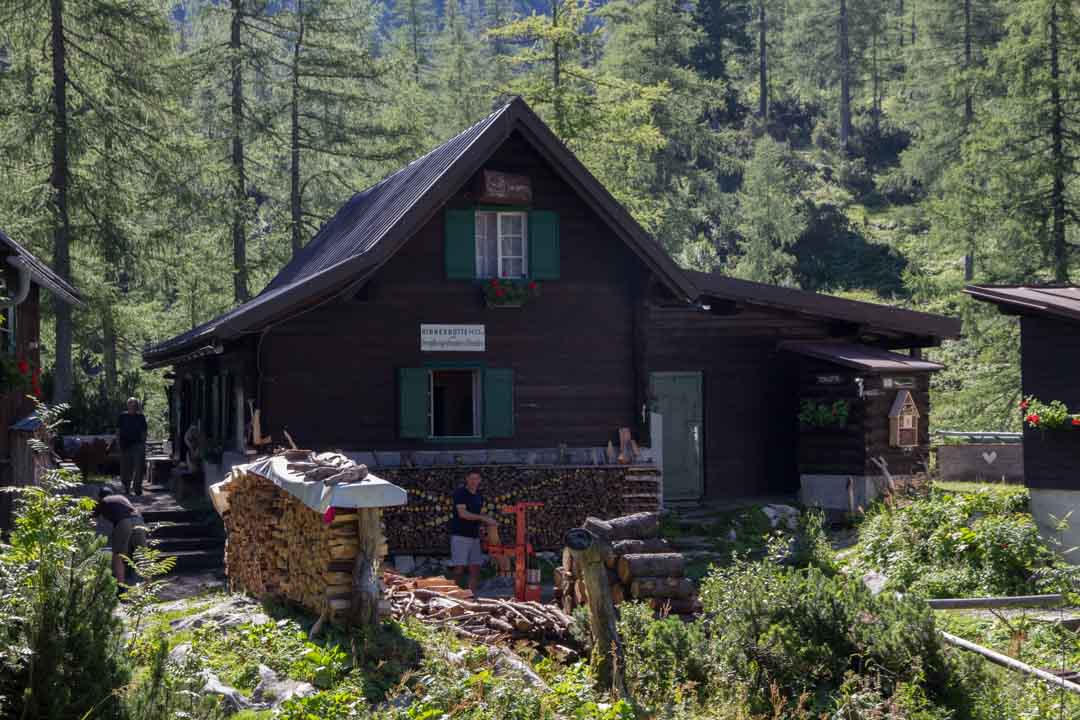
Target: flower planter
494,305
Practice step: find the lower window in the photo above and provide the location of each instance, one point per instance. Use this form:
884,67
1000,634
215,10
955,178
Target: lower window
455,403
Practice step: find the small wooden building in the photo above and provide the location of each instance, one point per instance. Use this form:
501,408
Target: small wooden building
22,276
492,304
1049,356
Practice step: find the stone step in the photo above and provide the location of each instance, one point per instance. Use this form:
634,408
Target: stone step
189,560
171,545
168,529
172,515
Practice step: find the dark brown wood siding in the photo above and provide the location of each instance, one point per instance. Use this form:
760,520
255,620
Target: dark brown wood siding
751,391
1050,350
901,461
330,374
831,450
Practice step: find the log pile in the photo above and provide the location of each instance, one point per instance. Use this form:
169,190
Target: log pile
641,566
279,547
438,601
420,527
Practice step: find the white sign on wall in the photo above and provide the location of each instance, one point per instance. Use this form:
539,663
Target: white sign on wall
451,338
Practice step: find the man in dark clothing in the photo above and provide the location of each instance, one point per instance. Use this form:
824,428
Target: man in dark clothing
131,437
128,531
465,530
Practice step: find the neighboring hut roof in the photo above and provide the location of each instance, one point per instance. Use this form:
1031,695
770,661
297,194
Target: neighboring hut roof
41,273
861,357
1056,300
375,223
872,318
902,399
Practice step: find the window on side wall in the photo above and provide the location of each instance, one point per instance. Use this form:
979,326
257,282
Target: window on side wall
501,244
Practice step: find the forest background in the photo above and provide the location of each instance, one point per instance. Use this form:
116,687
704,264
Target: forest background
169,157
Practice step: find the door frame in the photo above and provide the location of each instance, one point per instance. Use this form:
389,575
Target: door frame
654,401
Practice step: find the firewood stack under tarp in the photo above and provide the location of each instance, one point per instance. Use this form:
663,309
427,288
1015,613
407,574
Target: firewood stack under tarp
280,546
641,566
438,601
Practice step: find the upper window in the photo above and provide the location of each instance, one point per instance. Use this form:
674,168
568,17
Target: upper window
501,245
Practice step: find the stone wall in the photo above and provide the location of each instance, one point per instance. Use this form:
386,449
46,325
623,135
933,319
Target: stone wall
569,493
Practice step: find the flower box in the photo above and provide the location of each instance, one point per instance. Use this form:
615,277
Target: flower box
504,293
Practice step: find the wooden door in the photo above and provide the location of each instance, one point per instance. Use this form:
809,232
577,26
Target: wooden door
678,399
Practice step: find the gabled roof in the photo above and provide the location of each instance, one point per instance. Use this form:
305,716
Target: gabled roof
374,224
41,273
861,357
1056,300
874,317
902,398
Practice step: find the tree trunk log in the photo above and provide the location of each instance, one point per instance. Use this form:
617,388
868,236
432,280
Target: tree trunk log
661,565
589,553
638,526
676,606
365,581
661,587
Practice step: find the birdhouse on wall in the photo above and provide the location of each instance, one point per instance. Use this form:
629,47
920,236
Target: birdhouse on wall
904,421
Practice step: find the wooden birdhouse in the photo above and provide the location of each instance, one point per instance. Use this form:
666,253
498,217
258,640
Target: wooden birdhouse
904,421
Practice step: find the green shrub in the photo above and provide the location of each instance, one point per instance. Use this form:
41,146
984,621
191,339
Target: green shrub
956,544
803,632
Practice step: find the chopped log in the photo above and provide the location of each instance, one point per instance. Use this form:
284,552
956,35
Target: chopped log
365,581
661,587
641,547
639,526
567,560
676,606
661,565
589,552
581,595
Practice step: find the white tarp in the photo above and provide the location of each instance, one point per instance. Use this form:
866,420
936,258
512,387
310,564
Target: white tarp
372,492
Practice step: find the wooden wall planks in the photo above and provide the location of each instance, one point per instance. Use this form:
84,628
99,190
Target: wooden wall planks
1050,350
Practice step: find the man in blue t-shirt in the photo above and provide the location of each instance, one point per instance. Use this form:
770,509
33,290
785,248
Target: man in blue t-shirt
465,530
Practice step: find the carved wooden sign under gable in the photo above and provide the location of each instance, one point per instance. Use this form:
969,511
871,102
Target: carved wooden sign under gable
504,188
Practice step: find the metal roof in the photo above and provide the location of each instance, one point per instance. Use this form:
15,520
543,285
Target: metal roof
871,315
861,357
1057,300
371,226
41,273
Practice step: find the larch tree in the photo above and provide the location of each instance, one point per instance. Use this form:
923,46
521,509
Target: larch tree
88,122
769,217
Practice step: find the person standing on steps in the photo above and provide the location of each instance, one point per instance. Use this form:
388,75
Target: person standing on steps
131,437
465,524
128,529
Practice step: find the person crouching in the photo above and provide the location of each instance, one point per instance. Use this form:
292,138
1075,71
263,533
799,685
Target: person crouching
128,529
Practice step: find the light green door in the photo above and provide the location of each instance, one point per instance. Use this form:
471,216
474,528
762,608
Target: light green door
678,400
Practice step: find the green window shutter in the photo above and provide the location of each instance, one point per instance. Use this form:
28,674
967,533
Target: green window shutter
413,402
498,403
544,245
460,244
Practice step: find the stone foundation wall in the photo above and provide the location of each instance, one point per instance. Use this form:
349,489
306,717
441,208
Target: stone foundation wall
569,493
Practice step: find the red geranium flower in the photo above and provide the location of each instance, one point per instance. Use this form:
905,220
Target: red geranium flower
532,284
494,282
1076,421
500,292
1033,419
1024,404
24,367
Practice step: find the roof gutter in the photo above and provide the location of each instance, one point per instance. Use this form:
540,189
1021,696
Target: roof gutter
23,291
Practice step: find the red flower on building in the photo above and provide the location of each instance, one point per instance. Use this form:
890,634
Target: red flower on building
532,284
1033,419
1024,404
500,293
1076,421
24,367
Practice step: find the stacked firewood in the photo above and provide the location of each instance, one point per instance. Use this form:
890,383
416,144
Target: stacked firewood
640,565
421,525
438,601
278,546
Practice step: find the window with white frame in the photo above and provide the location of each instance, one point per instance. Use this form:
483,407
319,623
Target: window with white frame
501,244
